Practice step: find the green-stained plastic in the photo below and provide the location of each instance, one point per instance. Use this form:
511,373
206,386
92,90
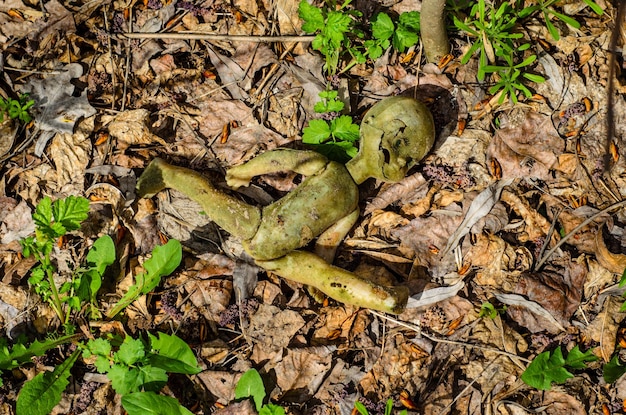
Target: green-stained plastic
396,133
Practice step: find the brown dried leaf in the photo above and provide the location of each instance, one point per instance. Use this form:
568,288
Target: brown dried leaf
272,329
16,220
302,370
528,147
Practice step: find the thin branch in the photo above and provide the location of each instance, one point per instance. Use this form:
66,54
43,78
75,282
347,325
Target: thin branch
215,37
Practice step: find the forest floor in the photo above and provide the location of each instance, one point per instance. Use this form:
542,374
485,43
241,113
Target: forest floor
510,234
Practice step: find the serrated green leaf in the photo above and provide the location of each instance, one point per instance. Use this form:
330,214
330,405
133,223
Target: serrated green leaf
577,359
251,385
382,27
150,403
171,353
43,213
312,16
545,369
130,352
404,38
42,393
317,132
613,370
70,212
343,129
410,20
133,379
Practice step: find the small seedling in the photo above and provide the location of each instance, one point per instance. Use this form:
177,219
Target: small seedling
250,385
16,108
335,138
489,310
53,221
388,408
509,77
548,367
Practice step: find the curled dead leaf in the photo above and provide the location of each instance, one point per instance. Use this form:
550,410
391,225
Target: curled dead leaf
615,263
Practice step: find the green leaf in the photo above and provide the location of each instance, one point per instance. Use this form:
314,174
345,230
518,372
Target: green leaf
337,24
99,257
545,369
361,408
21,354
382,27
130,352
613,370
271,409
71,211
565,18
43,215
595,7
342,128
404,38
43,392
149,403
127,380
172,354
577,359
317,132
534,78
410,20
250,384
165,259
312,16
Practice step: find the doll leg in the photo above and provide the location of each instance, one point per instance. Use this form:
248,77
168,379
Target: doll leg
343,286
231,214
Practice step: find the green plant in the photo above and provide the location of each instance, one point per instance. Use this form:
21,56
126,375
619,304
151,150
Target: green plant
250,385
548,367
509,77
138,367
388,408
335,138
16,108
339,35
338,32
135,366
544,7
489,310
52,221
492,31
164,260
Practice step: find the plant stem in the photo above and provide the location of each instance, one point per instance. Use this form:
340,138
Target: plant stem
56,300
433,30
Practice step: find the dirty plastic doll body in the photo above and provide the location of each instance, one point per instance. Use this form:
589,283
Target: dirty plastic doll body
395,133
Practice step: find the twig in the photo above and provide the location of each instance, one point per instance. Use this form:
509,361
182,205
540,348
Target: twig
215,37
576,229
418,329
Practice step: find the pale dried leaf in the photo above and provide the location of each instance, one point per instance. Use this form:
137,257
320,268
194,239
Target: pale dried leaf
518,300
480,207
16,220
434,295
56,109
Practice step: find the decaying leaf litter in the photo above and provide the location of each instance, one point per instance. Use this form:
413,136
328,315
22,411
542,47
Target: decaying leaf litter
470,224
